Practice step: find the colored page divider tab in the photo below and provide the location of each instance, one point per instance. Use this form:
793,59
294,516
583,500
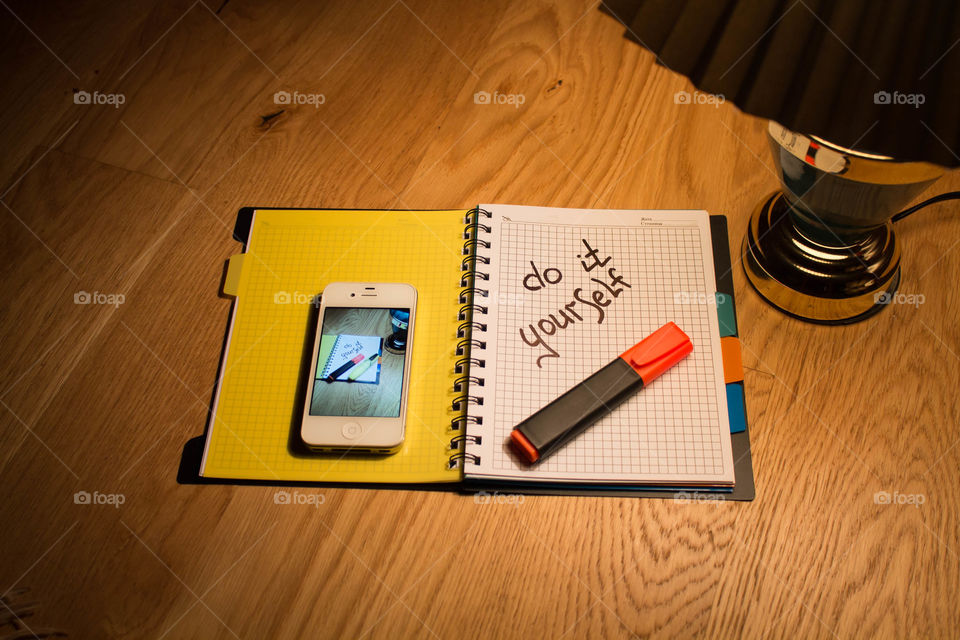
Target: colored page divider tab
727,315
736,407
231,282
732,359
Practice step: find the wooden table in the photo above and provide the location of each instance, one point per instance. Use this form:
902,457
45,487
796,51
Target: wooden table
131,200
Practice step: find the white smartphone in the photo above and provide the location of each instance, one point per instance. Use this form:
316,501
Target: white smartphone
356,399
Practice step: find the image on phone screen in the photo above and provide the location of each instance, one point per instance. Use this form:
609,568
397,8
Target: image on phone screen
360,362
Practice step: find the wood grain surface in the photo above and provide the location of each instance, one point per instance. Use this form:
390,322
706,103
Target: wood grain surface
129,207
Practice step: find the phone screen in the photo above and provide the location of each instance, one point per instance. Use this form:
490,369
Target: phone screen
360,362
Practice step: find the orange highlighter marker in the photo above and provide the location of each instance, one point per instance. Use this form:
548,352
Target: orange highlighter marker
346,366
554,425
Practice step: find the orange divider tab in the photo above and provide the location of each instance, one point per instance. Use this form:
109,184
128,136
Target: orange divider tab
732,360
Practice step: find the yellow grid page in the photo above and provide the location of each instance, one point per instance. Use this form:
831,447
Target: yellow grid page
291,256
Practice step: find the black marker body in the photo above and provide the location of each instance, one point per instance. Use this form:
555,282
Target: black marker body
581,406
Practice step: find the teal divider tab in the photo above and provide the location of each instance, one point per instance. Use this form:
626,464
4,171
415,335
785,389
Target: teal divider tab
727,315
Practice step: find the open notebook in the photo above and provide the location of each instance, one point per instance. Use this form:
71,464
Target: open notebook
509,316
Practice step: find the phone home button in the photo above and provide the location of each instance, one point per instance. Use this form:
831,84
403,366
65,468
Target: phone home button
351,430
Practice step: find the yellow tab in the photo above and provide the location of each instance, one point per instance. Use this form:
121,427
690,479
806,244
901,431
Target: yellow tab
231,283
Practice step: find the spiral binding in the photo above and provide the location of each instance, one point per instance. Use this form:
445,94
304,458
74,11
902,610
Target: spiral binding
458,383
465,420
456,440
469,366
463,362
462,329
466,457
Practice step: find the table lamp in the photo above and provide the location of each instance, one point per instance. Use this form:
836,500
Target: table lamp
862,101
397,341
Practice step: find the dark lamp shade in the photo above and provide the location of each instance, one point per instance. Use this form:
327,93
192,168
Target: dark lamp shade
881,76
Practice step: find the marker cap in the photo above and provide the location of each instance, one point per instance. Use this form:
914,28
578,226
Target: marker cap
659,351
524,447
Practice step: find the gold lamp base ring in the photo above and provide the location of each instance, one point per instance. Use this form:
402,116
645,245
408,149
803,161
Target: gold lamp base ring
812,274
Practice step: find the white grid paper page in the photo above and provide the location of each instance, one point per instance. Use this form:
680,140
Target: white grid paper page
674,432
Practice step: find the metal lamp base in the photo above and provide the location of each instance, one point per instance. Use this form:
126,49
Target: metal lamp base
803,269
